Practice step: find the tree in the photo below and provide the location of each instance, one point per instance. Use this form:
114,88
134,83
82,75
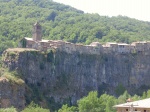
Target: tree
34,108
65,108
144,95
90,103
111,101
123,98
148,94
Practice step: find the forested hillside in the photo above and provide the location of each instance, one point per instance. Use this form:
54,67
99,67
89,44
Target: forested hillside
64,22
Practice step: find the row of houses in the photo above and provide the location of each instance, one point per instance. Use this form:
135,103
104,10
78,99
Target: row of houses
127,48
93,48
43,45
38,43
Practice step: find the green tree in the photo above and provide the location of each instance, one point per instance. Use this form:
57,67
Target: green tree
135,97
144,95
65,108
111,101
34,108
148,94
123,98
90,103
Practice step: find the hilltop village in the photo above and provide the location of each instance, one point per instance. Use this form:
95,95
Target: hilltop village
71,74
36,42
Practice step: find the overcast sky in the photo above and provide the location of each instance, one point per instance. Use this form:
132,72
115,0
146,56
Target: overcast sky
139,9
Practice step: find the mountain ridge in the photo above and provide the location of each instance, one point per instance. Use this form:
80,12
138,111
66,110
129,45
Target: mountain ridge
61,22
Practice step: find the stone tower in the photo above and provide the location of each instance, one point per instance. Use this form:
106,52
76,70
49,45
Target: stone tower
37,32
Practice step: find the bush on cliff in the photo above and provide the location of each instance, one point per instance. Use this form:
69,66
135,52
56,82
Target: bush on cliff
13,76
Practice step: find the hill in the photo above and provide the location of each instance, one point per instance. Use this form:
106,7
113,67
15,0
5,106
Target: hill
64,22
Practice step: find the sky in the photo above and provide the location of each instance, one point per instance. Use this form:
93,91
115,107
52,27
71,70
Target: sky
138,9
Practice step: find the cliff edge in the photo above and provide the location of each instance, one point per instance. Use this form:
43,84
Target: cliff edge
57,77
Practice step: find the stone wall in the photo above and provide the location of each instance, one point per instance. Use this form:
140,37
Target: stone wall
93,48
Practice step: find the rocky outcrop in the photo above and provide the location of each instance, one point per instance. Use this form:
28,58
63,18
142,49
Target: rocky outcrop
62,77
11,94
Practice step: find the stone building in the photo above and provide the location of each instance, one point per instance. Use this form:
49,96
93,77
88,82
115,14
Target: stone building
123,48
140,46
36,42
113,46
37,32
117,47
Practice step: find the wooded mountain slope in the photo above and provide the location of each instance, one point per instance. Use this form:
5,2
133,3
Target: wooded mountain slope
64,22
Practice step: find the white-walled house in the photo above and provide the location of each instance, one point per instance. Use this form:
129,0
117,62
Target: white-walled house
134,106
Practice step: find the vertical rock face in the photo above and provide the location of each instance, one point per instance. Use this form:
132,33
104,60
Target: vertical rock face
68,77
11,94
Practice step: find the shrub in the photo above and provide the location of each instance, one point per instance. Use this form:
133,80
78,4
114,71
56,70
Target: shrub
13,77
32,107
65,108
12,109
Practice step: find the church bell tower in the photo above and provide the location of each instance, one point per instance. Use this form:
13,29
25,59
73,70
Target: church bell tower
37,32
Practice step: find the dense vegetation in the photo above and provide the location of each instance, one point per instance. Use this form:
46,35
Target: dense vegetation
30,108
104,103
64,22
90,103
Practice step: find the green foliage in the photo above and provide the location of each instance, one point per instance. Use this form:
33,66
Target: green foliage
123,98
12,76
107,103
136,97
65,108
12,54
148,94
144,95
90,103
64,22
12,109
34,108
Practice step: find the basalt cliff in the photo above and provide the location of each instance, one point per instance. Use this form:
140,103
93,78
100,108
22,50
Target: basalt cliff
55,77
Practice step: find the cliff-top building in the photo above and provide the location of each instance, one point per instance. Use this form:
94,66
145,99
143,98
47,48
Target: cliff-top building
36,42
